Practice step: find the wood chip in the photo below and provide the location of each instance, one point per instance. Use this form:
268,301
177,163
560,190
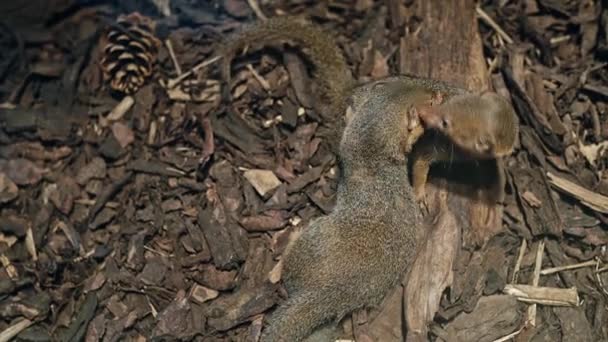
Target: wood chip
263,181
587,197
202,294
543,295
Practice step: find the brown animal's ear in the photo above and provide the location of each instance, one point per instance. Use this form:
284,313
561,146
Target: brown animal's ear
430,116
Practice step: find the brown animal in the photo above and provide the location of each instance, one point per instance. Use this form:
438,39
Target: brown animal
483,126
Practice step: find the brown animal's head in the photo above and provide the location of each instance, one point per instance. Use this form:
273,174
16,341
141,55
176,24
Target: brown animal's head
484,126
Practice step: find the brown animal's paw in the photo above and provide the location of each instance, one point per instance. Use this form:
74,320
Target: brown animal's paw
424,206
420,197
414,133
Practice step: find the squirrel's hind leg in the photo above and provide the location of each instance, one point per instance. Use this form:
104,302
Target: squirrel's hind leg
299,317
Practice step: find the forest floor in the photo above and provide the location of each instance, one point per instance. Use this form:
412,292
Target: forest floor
167,219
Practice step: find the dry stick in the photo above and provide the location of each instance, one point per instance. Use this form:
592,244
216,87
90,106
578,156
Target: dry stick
598,270
552,270
485,17
583,78
152,133
13,330
520,257
263,82
107,194
595,119
510,336
178,68
256,9
121,108
179,79
531,319
587,197
543,295
559,39
30,245
10,269
208,143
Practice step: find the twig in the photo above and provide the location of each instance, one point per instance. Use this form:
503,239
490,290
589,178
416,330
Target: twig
601,90
559,39
256,9
105,196
13,330
510,336
208,143
121,108
589,198
30,245
567,267
599,270
152,132
485,17
595,119
531,319
520,257
178,68
152,308
259,78
543,295
10,269
175,81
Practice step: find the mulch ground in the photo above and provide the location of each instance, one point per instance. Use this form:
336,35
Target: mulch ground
167,220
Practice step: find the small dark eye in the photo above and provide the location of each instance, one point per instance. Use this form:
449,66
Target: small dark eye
445,123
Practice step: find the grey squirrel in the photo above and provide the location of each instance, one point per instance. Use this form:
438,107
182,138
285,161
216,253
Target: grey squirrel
351,258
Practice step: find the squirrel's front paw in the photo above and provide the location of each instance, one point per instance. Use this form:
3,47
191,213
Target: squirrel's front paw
420,197
413,136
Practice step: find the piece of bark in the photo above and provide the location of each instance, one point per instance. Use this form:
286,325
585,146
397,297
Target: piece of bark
446,26
227,247
574,324
239,307
216,279
431,272
587,197
530,114
259,263
543,295
544,219
386,326
300,80
493,317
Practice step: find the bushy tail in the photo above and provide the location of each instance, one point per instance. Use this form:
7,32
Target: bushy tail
298,318
332,72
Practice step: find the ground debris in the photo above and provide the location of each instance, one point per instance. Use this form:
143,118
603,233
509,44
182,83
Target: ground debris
165,214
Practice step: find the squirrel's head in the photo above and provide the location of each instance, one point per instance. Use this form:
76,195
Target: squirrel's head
482,126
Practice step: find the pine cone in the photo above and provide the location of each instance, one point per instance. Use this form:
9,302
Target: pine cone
130,53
